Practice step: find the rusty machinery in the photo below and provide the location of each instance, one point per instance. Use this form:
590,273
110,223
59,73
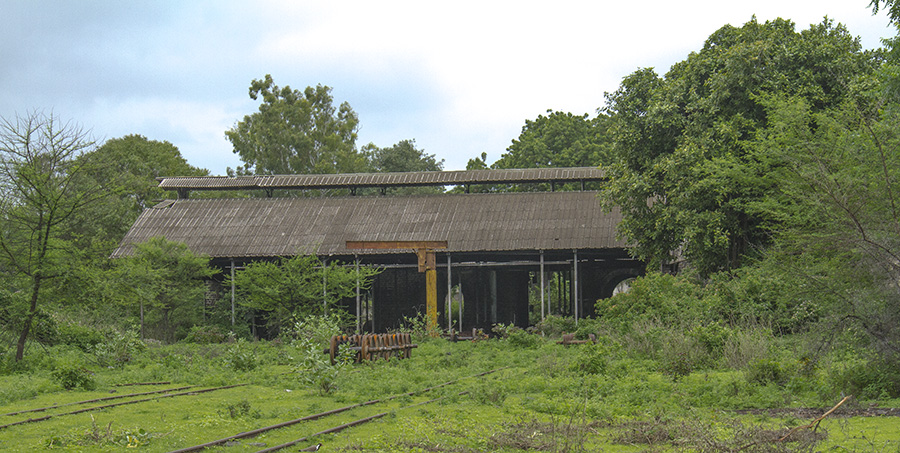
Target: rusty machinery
373,346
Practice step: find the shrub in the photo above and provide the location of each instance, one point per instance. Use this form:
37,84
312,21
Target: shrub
315,369
71,374
240,356
766,371
205,335
876,379
675,301
744,346
117,349
591,359
554,326
523,339
680,355
319,329
81,337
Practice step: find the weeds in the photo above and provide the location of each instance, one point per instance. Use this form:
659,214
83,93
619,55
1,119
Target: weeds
97,436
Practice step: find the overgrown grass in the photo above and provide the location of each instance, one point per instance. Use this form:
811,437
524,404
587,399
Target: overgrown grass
645,389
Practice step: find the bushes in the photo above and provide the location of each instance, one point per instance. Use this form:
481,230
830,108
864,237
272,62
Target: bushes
71,374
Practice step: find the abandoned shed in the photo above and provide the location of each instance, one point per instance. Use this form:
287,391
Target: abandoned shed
510,257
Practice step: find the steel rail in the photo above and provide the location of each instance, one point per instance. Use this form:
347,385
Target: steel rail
107,406
348,425
97,400
295,421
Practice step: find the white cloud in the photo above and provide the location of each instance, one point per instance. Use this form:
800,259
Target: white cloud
459,77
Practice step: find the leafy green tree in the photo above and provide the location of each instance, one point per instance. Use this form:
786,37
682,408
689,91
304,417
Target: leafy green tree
292,288
296,132
42,186
404,157
165,281
127,167
838,201
681,171
557,140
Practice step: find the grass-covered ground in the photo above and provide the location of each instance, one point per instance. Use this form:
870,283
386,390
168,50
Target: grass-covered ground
542,396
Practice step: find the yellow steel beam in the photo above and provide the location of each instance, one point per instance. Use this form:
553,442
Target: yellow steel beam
427,263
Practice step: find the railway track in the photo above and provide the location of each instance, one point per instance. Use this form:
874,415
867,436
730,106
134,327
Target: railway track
159,395
336,428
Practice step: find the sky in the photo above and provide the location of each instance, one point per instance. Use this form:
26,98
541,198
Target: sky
460,78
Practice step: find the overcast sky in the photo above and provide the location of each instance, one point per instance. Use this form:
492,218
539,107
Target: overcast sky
460,79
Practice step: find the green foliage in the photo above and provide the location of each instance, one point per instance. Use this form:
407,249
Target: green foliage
558,140
163,282
296,132
593,358
205,335
290,289
521,338
82,337
683,169
241,356
241,409
319,329
675,300
96,436
43,185
403,157
767,371
417,327
870,379
127,168
554,326
314,368
117,349
72,374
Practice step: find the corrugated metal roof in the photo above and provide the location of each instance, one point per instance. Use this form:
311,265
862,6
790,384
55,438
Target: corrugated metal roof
259,227
399,179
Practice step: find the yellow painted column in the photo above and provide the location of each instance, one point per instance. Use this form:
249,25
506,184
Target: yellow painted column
431,300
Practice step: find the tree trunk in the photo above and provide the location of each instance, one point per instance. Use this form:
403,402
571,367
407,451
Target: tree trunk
26,328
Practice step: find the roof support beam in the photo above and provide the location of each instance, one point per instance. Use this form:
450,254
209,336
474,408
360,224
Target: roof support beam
427,263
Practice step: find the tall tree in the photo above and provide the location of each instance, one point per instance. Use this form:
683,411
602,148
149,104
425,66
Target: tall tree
296,132
404,157
680,169
557,140
128,167
838,198
42,185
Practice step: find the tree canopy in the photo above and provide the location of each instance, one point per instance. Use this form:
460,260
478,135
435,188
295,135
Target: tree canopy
43,185
557,140
296,132
681,170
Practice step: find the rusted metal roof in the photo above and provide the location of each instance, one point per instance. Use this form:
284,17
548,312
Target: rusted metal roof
265,227
398,179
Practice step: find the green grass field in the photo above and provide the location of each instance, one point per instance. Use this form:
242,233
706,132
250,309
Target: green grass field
541,396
